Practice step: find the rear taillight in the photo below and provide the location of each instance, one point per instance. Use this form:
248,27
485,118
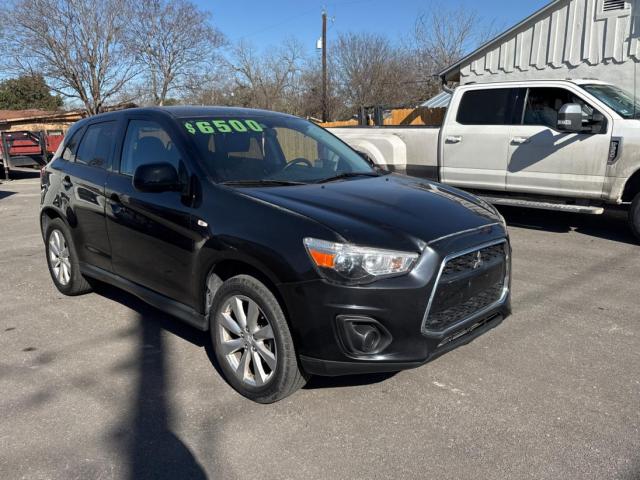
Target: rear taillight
44,177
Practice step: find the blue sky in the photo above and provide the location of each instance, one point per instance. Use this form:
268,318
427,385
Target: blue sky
268,22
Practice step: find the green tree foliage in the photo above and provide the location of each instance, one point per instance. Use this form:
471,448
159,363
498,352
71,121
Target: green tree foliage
27,92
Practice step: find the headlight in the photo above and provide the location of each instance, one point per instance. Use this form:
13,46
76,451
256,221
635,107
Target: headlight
353,264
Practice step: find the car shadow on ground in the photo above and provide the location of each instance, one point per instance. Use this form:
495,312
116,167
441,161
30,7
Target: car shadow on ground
348,380
151,450
5,194
612,225
21,174
151,314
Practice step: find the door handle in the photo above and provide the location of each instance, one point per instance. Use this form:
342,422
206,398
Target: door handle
453,139
519,140
116,205
66,182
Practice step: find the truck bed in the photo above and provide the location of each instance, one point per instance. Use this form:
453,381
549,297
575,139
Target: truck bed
411,149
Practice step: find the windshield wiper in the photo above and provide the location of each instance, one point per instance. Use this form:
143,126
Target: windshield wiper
264,182
341,176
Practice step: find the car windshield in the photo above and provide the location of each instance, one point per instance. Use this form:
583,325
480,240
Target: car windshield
271,150
619,100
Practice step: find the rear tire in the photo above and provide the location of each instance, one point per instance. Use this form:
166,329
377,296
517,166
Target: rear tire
62,259
634,217
252,341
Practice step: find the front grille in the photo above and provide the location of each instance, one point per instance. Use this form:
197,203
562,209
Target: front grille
466,262
468,284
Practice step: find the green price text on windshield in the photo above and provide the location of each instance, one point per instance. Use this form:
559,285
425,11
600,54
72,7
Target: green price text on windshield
222,126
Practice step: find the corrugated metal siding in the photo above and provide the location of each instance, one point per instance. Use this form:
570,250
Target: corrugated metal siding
575,32
439,101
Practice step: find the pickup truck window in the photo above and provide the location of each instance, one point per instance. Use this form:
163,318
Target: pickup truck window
543,105
271,149
619,100
494,106
96,145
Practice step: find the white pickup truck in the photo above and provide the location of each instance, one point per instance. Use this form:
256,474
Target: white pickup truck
571,145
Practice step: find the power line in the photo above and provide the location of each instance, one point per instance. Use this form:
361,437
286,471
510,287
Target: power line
279,24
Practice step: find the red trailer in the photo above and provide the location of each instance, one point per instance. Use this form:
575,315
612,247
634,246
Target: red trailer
26,148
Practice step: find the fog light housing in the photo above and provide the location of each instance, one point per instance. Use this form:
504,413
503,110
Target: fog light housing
362,335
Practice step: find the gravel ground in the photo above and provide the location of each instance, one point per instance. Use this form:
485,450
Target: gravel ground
103,386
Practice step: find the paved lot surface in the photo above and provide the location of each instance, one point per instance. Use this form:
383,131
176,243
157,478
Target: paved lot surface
102,386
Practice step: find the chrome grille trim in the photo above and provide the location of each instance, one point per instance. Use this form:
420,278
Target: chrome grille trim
479,313
488,226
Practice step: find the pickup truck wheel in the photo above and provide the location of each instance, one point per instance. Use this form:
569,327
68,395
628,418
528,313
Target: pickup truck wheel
63,260
634,216
252,341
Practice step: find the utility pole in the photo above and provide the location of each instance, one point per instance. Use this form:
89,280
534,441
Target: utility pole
325,113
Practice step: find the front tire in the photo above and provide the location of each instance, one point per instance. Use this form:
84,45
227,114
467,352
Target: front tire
634,216
62,260
252,341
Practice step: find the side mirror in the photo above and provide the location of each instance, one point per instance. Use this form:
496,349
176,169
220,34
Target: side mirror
570,118
597,123
156,177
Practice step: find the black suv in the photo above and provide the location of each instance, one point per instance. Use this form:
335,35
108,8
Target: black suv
297,254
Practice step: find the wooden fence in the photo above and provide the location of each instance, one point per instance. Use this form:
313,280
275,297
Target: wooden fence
399,117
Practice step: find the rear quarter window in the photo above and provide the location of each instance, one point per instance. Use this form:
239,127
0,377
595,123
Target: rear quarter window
67,149
96,145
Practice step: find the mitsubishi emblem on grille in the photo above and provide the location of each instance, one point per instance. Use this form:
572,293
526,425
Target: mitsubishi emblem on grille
478,261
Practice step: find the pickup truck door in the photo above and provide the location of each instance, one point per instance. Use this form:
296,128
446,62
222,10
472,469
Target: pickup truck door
545,161
474,146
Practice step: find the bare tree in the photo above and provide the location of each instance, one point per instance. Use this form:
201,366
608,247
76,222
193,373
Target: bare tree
310,95
174,41
443,36
214,87
270,80
369,70
78,45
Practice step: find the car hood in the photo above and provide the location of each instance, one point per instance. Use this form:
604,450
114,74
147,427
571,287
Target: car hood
390,211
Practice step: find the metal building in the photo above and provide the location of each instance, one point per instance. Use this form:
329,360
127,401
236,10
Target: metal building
565,39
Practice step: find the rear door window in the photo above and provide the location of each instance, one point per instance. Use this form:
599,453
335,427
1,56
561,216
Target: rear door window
97,145
494,106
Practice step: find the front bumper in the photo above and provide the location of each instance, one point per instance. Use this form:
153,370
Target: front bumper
397,304
330,368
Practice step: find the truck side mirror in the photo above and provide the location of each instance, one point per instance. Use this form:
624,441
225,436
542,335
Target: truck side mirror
570,118
598,123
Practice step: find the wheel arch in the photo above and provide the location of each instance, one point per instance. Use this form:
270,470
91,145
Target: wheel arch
631,187
49,213
226,268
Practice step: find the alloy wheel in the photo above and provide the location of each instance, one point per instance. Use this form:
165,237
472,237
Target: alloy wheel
247,340
59,257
